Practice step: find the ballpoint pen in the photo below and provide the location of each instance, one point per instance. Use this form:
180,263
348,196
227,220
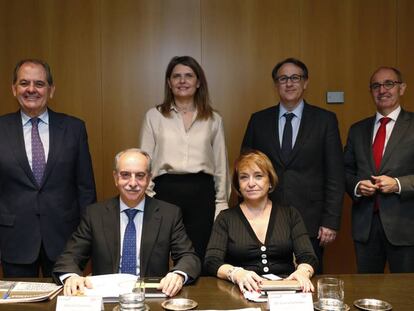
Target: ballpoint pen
7,294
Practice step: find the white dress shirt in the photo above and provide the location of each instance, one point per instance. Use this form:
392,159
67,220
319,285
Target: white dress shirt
298,111
174,150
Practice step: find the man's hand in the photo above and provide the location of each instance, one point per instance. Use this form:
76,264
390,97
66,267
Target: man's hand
366,188
385,184
75,285
326,236
171,284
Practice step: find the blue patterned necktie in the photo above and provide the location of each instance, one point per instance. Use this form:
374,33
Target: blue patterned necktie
38,153
287,136
129,247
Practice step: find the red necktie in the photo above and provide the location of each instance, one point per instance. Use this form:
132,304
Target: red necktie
378,150
379,142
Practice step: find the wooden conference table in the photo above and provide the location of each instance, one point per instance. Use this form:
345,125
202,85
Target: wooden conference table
212,293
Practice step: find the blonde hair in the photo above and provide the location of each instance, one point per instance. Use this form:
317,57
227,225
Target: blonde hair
249,157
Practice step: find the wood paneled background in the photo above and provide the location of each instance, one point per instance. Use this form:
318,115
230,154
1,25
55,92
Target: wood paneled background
108,59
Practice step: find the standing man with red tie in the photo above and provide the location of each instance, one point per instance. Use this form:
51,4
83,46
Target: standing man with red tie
379,162
46,176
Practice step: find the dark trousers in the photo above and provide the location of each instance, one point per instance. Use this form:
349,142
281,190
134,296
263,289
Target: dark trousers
319,253
373,254
195,195
32,270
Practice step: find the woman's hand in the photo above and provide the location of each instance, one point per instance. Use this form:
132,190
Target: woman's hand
247,280
302,276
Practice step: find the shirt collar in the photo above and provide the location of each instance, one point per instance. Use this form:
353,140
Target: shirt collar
139,207
174,107
393,115
44,117
297,111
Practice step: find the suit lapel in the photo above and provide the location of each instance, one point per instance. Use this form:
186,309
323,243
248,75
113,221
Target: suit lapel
111,231
399,131
56,135
367,138
274,134
16,139
150,230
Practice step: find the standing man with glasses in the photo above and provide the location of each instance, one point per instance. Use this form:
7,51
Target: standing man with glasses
304,145
46,176
379,164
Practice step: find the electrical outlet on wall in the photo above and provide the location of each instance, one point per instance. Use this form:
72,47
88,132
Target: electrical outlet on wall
335,97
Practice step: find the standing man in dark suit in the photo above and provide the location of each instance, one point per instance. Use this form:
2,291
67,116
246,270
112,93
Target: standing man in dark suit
304,145
46,176
103,234
379,163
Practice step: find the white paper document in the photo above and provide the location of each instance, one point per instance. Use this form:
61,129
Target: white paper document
110,286
79,303
290,302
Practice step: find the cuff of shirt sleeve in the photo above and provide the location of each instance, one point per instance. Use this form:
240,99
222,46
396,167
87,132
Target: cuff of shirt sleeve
220,207
63,277
356,190
399,186
183,274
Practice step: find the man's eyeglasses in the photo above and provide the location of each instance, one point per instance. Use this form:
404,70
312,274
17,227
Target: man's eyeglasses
125,175
388,85
293,78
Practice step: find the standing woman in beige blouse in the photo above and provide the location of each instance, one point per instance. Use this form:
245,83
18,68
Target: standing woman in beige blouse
185,139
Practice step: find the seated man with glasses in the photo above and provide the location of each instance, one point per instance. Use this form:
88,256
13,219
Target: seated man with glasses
131,233
379,170
304,145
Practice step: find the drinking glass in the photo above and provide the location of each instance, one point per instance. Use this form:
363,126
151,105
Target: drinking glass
134,301
331,294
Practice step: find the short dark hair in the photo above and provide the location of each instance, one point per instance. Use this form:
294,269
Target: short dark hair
249,157
293,61
42,63
201,97
396,71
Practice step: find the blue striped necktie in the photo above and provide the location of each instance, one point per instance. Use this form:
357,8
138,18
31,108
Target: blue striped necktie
129,247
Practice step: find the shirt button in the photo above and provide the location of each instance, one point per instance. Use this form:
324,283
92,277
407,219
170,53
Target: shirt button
263,248
264,256
266,269
264,261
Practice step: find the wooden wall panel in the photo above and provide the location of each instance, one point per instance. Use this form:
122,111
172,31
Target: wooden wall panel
241,45
340,43
109,60
405,49
66,35
138,40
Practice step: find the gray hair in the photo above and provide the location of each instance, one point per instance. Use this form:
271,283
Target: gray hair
35,61
134,150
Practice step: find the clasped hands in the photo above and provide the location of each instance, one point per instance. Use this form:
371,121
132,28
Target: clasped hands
249,280
170,285
383,183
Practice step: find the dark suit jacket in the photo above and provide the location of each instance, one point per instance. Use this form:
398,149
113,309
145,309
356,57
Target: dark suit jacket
312,179
49,213
396,211
98,238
